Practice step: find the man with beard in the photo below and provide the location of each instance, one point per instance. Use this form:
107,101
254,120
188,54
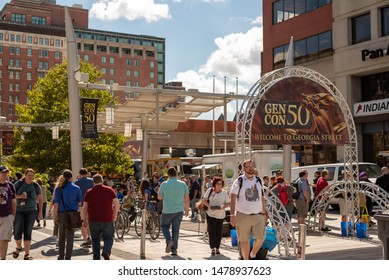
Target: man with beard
248,212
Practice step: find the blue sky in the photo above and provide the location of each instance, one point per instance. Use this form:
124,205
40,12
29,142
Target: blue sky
203,37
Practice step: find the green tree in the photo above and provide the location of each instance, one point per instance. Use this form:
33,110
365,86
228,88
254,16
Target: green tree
48,104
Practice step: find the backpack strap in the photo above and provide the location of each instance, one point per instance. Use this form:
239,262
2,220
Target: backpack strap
240,179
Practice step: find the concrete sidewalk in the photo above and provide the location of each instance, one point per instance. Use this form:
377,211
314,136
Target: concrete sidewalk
329,246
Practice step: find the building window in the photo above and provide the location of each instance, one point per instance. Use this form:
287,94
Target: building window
29,64
12,38
1,49
136,73
40,41
29,75
1,73
152,75
11,50
57,55
112,71
11,74
10,111
1,61
104,59
112,60
103,81
11,88
47,42
18,38
29,52
20,18
385,21
29,40
11,62
17,63
17,99
361,30
287,9
375,86
103,70
308,49
86,57
152,64
17,51
136,62
128,73
57,42
38,20
128,62
46,65
17,75
17,88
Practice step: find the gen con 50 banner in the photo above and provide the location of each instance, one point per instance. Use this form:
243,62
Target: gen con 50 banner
298,111
89,117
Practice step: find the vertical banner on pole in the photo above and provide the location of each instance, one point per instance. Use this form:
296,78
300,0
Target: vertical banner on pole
89,117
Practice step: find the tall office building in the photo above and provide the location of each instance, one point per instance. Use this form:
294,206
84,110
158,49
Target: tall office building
346,41
32,40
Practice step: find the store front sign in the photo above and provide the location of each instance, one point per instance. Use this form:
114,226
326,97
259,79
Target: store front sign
370,108
372,54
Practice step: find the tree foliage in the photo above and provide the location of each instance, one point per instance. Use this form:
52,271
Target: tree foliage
48,104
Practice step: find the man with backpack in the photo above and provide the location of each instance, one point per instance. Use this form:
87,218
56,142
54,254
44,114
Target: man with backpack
248,211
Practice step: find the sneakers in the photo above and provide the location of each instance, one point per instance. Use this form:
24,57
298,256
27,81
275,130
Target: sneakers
213,252
87,243
325,229
105,255
169,246
217,251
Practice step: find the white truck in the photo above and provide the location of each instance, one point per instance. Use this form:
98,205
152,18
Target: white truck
267,162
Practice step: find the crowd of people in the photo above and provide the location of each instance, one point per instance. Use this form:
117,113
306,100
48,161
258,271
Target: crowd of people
23,201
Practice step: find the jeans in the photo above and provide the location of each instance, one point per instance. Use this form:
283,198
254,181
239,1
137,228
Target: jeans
173,219
98,229
24,222
65,235
43,211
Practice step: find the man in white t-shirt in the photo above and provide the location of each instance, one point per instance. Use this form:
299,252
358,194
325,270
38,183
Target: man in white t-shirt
248,211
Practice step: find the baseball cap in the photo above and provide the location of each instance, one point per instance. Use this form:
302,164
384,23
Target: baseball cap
3,169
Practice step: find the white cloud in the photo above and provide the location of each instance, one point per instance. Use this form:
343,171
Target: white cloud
130,9
237,55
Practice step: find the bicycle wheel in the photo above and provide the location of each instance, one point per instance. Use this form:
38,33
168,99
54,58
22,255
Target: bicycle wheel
120,226
138,224
127,222
154,227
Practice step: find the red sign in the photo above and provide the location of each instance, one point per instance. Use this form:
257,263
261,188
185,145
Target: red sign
298,111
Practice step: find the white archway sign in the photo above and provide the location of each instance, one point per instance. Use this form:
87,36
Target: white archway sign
296,105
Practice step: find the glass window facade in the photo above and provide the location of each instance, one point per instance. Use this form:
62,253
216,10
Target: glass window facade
287,9
385,21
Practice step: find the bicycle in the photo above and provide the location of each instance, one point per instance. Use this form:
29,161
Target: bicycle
152,222
120,225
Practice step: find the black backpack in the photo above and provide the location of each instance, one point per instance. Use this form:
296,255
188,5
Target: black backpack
240,179
295,185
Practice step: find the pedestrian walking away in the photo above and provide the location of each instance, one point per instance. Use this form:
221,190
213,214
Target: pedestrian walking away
101,207
175,197
248,212
85,183
67,197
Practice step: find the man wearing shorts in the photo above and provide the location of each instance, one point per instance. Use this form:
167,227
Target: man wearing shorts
7,211
248,211
302,203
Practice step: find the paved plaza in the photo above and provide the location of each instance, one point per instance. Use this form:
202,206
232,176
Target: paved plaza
319,246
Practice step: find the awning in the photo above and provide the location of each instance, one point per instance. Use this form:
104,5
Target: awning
205,166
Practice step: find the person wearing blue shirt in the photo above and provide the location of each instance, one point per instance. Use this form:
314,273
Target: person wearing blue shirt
175,196
67,197
85,183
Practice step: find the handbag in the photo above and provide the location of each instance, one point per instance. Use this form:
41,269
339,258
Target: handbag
73,218
364,215
201,206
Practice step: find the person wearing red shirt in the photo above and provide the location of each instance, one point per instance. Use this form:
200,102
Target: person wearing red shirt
101,207
322,183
